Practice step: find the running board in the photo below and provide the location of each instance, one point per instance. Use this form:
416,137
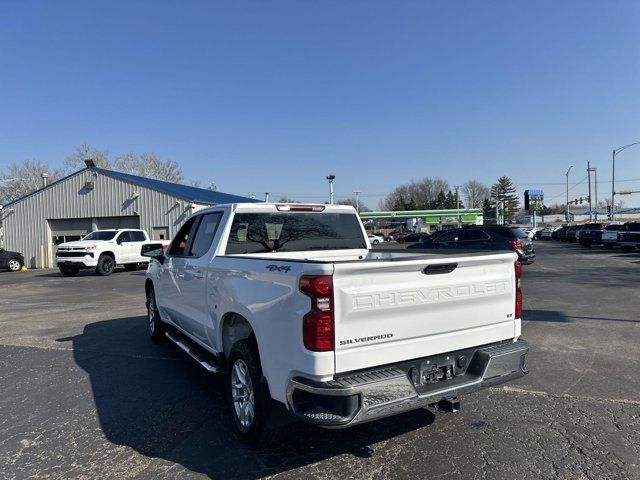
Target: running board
193,352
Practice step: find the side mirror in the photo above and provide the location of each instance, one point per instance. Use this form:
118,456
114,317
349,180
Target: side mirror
119,241
153,250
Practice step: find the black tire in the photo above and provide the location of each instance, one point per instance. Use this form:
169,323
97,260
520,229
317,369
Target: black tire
259,431
14,264
106,265
130,267
627,249
376,242
69,271
157,327
608,246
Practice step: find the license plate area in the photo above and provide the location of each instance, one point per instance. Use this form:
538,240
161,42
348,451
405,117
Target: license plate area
434,372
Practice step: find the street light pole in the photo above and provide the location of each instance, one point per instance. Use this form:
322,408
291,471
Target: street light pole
457,187
567,174
595,188
331,177
613,175
357,194
590,204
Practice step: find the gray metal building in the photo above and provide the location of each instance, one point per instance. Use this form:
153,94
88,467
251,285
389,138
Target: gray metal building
95,198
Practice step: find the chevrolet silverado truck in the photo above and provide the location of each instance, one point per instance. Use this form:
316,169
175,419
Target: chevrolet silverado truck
290,302
103,250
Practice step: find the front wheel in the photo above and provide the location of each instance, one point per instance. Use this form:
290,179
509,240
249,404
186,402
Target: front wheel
376,242
248,396
156,326
106,265
14,265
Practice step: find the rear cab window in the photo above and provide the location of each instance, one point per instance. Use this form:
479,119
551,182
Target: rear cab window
294,232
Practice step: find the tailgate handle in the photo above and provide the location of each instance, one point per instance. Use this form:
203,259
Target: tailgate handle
439,268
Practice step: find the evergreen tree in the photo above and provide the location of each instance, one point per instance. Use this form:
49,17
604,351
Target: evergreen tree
450,201
441,201
505,192
488,211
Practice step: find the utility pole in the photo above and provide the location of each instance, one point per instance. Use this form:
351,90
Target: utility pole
497,207
357,194
457,187
595,185
590,204
567,175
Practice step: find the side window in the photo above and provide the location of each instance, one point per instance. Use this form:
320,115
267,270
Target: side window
204,236
137,236
181,241
124,237
451,236
474,235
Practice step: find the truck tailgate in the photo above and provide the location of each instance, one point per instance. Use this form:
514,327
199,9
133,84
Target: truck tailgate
390,311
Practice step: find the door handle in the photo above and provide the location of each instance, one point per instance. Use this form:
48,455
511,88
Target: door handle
198,274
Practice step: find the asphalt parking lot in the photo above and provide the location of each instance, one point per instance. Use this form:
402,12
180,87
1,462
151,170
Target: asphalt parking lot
85,394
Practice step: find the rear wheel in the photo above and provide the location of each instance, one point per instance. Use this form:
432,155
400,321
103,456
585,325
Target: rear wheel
14,264
69,271
106,265
248,395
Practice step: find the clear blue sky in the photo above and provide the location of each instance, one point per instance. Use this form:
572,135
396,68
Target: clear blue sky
274,95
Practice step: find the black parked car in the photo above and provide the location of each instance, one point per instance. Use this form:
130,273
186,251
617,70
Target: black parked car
558,235
590,234
12,261
482,237
413,237
629,236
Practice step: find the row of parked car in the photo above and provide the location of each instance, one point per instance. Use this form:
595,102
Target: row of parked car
609,235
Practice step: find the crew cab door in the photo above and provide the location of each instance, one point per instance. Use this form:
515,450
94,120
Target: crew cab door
184,278
169,296
124,251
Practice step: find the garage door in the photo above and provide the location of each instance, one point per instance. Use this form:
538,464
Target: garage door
69,229
106,223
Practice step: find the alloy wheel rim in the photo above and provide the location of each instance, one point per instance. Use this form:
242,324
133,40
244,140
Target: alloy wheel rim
108,265
152,314
242,393
14,265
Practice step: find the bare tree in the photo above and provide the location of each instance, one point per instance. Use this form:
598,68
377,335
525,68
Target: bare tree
475,193
421,194
20,179
75,161
149,165
286,199
352,201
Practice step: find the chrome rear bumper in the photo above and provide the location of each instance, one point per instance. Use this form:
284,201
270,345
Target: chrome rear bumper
369,395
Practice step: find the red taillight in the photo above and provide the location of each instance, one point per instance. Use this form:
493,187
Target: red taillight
517,244
518,269
317,325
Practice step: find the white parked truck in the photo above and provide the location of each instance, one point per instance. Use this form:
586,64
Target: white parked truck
291,303
103,250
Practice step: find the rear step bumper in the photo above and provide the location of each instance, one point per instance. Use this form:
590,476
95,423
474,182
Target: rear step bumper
372,394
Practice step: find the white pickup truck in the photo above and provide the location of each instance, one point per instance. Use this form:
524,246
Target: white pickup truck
103,250
291,303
